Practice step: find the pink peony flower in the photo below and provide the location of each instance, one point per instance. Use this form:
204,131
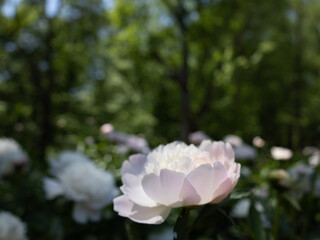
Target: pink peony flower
175,175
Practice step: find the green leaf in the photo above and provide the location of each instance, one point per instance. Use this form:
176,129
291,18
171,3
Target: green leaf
239,194
292,201
255,223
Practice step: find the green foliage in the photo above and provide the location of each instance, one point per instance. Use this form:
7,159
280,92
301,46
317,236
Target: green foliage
162,69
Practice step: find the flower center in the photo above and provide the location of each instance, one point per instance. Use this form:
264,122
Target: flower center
177,157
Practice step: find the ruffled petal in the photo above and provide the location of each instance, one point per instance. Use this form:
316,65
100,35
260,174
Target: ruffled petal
135,165
206,179
165,188
133,189
140,214
52,188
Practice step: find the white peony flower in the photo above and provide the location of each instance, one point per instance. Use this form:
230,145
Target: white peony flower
281,153
78,179
12,157
11,227
175,175
197,137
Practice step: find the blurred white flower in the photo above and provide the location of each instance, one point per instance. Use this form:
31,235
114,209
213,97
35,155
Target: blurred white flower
258,142
233,140
197,137
106,128
314,160
12,157
175,175
245,152
262,191
281,153
245,171
134,143
310,150
301,175
78,179
241,209
242,151
11,227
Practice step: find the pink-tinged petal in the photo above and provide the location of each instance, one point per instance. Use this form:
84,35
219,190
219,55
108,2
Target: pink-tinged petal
218,151
205,145
135,165
222,192
148,215
52,188
133,189
229,152
206,179
165,188
189,195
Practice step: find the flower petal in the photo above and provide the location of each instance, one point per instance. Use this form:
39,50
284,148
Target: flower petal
165,188
79,213
52,188
135,165
206,179
140,214
133,189
188,194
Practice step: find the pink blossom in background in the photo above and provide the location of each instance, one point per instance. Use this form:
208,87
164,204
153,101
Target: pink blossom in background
130,142
258,142
175,175
197,137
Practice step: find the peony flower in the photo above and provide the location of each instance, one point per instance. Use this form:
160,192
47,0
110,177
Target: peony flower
197,137
258,142
131,142
281,153
79,180
11,227
233,140
175,175
12,157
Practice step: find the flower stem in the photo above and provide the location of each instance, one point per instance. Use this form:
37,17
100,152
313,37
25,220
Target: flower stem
276,217
181,230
